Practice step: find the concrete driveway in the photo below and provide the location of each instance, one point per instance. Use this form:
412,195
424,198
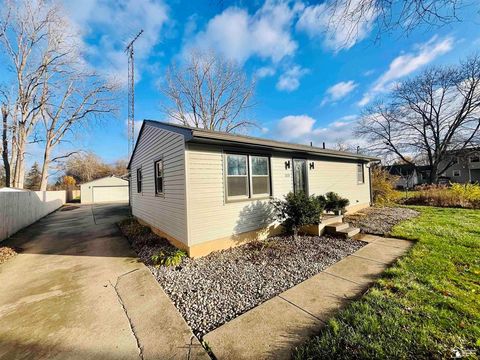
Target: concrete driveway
77,291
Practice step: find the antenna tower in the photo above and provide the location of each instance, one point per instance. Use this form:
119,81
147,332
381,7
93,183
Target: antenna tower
131,94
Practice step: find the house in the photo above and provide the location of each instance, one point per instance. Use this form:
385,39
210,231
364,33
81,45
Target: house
409,175
465,166
104,190
206,190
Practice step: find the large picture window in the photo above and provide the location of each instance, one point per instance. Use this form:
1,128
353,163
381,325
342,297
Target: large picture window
360,174
159,189
139,180
247,176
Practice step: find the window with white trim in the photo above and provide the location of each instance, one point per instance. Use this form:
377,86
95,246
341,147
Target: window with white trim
139,180
360,174
474,159
456,173
247,176
260,175
159,188
237,176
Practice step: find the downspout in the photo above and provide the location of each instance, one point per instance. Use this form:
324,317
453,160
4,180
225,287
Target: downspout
370,179
370,183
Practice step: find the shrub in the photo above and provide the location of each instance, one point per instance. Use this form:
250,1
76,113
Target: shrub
458,195
171,257
383,186
297,210
334,202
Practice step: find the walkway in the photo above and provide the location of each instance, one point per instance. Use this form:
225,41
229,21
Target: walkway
77,291
274,328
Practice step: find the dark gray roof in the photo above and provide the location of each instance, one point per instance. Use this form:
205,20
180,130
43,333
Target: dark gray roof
199,135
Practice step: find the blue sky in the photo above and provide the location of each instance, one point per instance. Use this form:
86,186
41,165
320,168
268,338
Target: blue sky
311,84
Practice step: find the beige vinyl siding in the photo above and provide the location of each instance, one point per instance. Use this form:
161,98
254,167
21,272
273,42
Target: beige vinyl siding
210,216
166,212
340,177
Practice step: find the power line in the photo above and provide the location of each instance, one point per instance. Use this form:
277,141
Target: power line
131,94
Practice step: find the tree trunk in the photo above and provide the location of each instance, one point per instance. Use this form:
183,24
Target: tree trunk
45,166
433,174
20,162
6,162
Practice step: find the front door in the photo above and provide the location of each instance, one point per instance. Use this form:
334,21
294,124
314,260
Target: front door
300,182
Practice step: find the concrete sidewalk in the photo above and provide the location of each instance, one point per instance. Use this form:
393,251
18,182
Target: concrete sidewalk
77,291
272,329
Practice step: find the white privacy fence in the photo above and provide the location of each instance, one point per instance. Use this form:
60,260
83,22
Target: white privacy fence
19,209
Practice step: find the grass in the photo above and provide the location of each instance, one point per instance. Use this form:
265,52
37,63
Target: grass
424,306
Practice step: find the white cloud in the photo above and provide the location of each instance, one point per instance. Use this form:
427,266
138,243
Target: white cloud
265,71
339,91
238,35
408,63
114,23
294,126
340,24
304,129
290,79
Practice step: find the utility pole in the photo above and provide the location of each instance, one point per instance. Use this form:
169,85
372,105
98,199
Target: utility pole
131,94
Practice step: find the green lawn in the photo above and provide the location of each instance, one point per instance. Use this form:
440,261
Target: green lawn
425,305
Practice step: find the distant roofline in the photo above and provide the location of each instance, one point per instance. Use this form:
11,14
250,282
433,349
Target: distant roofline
104,177
193,134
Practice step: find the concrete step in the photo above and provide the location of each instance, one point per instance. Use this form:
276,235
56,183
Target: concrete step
336,227
349,232
331,219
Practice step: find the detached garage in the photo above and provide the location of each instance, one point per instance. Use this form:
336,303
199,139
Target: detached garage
104,190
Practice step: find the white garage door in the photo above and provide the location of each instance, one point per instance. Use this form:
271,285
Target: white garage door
110,194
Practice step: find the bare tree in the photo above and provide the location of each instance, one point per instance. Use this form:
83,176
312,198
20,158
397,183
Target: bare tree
209,92
427,116
25,28
73,100
5,138
52,83
84,167
351,16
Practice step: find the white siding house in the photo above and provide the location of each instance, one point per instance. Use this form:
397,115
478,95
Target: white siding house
104,190
206,190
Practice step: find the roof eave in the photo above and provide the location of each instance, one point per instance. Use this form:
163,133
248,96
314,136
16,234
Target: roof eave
202,137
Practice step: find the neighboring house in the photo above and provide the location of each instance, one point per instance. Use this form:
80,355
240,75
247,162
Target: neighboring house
408,175
465,166
205,190
104,190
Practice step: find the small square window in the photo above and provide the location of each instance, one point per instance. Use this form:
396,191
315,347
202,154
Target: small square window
456,173
159,177
139,180
360,174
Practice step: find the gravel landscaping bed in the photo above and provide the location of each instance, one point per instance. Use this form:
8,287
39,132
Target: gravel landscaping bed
380,220
6,253
214,289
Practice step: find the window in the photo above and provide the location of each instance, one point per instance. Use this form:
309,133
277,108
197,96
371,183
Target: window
474,158
360,174
260,175
139,180
454,160
237,176
456,173
247,176
158,177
